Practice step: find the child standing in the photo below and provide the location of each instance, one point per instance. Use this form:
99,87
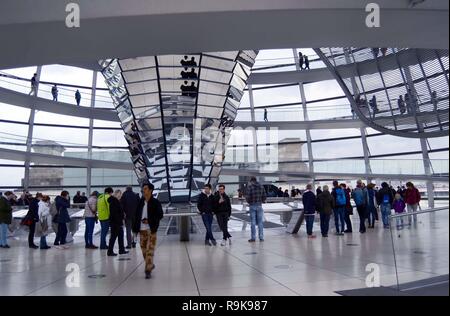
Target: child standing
399,207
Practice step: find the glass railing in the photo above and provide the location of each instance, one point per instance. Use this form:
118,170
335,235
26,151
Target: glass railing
65,94
293,115
420,247
342,166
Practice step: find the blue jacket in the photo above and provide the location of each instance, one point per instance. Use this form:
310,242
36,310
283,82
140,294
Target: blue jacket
309,202
63,214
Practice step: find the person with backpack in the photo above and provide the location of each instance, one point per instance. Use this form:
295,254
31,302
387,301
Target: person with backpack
62,204
309,207
412,199
90,218
325,204
103,216
340,204
399,208
360,196
385,200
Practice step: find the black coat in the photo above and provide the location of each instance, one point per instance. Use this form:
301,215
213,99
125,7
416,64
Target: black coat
224,207
116,214
382,192
309,202
130,202
155,214
205,204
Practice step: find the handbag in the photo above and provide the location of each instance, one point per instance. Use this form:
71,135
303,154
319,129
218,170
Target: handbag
26,222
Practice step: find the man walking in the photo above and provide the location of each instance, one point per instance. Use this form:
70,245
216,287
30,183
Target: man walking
129,201
255,196
222,208
205,205
146,223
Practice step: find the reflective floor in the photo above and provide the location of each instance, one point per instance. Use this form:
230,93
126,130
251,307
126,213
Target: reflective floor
283,265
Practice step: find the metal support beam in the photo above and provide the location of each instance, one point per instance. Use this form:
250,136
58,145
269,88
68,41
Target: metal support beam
26,180
305,117
91,132
253,120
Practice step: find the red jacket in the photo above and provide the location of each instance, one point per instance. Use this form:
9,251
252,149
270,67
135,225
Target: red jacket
412,196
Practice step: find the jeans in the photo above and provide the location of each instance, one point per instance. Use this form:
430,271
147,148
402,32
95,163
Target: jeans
116,233
324,223
339,218
105,229
257,218
309,219
412,208
31,234
207,221
130,235
61,234
43,242
399,222
3,234
385,212
89,231
222,220
371,215
362,210
347,220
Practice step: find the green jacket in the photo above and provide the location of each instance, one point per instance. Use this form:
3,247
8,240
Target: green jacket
5,211
103,207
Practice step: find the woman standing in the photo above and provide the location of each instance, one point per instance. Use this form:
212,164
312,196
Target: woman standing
116,218
90,217
45,221
372,205
62,218
412,199
5,218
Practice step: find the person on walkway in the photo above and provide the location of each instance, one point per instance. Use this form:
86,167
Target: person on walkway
129,201
205,206
401,105
306,59
78,199
340,205
78,97
375,51
45,221
146,223
90,218
361,198
286,193
325,204
5,218
348,209
371,205
255,196
33,90
383,51
399,208
62,218
55,93
434,100
309,207
222,209
385,200
265,116
412,199
103,216
32,217
116,219
301,60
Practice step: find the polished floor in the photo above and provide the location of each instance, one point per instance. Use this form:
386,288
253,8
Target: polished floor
283,265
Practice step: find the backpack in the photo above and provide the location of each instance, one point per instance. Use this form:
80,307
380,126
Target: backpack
340,197
358,196
386,199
